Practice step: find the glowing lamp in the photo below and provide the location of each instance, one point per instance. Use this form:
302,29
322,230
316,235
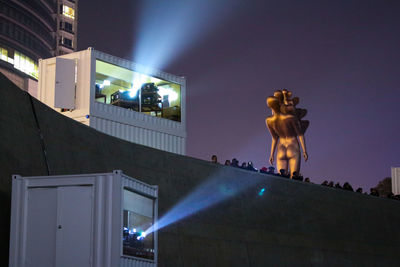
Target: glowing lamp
172,95
133,92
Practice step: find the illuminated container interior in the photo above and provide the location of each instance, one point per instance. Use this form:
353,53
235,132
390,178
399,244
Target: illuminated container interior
83,220
130,89
118,97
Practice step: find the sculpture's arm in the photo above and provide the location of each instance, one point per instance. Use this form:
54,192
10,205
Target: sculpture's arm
303,146
273,148
297,128
274,141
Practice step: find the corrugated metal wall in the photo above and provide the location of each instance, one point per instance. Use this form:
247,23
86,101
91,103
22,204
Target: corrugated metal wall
138,128
131,262
137,185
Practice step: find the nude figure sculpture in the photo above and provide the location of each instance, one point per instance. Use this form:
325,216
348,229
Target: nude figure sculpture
287,128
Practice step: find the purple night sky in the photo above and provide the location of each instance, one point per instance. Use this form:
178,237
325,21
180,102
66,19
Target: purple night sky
340,57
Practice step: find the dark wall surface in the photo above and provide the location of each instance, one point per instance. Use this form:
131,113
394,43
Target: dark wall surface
291,224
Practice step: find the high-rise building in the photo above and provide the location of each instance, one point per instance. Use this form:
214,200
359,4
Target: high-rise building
67,26
34,29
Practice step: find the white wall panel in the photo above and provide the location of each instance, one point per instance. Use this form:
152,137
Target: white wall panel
396,180
128,116
131,133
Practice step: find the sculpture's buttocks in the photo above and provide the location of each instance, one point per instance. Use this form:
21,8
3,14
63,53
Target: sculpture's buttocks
285,126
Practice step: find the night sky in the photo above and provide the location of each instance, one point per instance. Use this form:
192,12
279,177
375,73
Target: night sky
340,57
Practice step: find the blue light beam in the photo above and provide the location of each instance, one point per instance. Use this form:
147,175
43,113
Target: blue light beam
166,29
215,190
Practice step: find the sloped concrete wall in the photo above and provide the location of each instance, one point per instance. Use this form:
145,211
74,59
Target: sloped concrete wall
292,224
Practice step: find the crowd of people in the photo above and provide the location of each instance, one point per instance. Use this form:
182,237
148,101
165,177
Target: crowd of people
297,176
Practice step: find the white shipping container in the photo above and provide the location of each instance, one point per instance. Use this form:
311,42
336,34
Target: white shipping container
88,86
396,180
83,220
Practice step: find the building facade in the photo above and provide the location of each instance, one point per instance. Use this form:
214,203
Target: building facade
30,30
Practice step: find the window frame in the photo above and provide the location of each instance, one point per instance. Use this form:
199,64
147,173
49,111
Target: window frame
154,218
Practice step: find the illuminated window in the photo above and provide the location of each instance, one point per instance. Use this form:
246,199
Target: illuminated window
3,54
138,218
136,91
25,64
68,12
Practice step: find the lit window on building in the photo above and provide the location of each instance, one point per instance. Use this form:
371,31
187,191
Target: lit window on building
138,217
68,12
136,91
4,56
25,64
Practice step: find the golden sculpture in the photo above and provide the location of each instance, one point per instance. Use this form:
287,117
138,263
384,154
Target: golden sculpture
285,126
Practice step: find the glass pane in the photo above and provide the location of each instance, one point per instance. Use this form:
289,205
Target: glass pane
138,216
3,54
68,12
136,91
25,64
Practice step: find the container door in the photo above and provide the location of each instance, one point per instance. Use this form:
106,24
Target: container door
41,227
59,226
74,226
64,91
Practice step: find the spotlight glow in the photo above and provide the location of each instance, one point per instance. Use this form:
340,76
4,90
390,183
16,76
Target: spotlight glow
168,28
133,92
141,236
172,95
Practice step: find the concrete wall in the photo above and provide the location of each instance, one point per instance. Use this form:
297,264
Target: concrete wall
292,224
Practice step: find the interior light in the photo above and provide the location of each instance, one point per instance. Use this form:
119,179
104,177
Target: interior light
133,92
106,82
138,81
172,95
141,236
